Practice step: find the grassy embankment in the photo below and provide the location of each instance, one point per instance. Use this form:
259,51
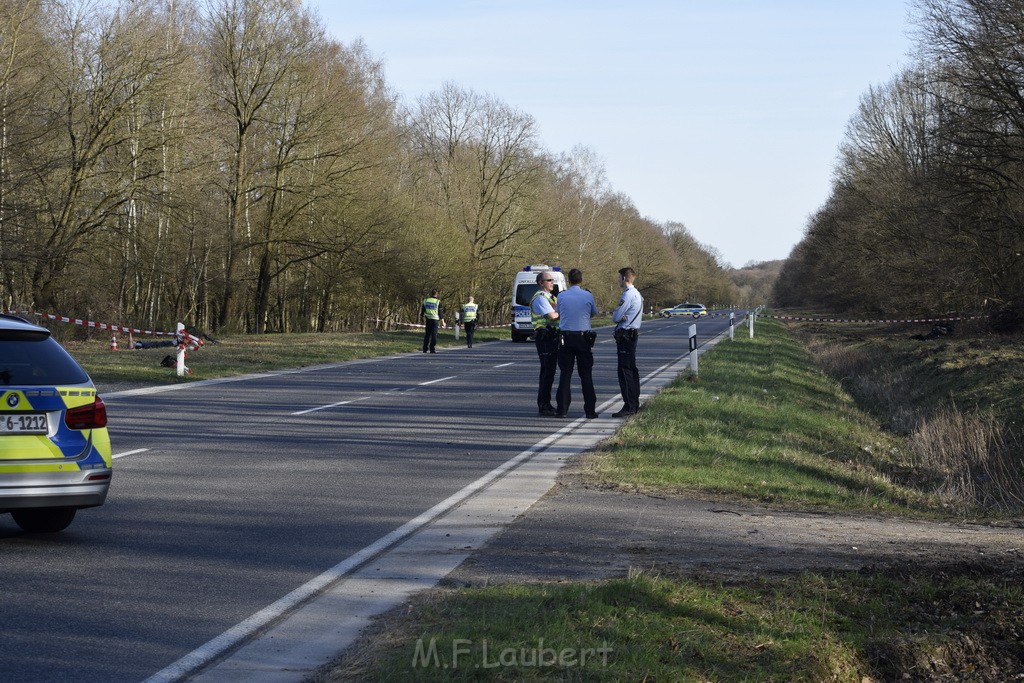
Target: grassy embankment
762,424
765,425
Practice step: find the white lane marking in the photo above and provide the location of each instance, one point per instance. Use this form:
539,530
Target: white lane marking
121,455
363,398
332,405
435,381
503,365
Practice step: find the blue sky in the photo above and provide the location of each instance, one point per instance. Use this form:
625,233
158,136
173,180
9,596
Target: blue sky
722,115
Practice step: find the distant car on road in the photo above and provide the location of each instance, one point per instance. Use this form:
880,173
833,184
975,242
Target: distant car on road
691,310
55,453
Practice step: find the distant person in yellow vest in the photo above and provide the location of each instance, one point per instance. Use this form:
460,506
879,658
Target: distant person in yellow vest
469,320
433,315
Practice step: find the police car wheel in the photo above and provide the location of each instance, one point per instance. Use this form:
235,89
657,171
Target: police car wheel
43,520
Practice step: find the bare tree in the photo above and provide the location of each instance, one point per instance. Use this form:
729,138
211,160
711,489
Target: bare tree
83,162
254,48
21,50
482,164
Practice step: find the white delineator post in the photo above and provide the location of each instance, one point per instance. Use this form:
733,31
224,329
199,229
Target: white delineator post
732,326
693,351
750,323
181,350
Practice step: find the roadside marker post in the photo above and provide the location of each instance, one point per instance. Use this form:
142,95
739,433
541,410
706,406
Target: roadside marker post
732,326
750,321
693,352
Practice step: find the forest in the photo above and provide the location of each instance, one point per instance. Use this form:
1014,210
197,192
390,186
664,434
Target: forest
231,165
926,211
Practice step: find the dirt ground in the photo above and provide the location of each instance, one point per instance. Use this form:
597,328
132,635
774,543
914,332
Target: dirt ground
582,532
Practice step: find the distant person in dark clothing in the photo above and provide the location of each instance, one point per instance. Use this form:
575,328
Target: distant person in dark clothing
469,320
433,315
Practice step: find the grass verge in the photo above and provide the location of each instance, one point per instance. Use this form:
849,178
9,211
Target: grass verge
908,624
762,423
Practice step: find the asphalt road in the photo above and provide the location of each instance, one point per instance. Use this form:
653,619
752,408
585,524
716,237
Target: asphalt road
229,495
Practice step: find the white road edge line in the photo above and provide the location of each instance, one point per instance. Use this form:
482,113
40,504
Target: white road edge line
332,405
504,365
121,455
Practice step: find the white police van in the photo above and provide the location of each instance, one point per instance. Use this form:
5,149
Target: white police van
524,286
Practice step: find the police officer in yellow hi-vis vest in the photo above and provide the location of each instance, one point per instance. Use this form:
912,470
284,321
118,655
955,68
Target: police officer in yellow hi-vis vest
432,315
469,320
544,315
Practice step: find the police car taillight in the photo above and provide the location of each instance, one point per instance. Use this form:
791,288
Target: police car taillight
92,416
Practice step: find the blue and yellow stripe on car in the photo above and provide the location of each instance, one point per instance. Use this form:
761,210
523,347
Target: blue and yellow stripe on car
61,450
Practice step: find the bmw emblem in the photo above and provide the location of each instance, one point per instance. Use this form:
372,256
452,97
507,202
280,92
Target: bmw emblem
12,400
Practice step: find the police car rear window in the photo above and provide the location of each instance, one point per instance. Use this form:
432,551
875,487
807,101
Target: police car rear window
34,360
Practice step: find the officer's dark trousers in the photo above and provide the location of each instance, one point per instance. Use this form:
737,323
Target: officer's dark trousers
575,351
470,330
629,375
430,336
547,351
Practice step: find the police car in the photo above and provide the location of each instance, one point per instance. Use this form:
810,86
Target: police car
692,310
55,456
524,286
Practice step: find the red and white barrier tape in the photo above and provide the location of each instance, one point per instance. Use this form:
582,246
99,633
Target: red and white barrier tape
863,320
89,323
187,341
421,325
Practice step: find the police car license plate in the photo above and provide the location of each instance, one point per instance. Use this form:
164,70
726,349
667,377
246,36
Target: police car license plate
23,423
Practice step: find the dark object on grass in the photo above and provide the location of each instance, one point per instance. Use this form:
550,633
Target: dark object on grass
943,330
154,344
